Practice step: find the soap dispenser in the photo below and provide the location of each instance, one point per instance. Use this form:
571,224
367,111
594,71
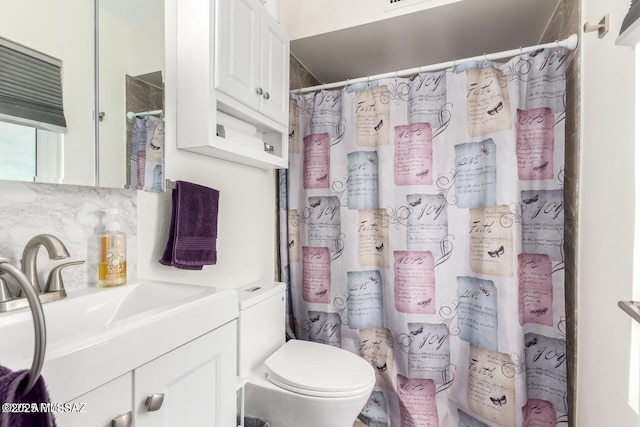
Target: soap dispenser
112,266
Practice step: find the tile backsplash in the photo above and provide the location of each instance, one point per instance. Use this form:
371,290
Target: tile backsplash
71,213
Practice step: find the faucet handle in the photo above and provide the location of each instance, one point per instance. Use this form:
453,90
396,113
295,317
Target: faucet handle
54,281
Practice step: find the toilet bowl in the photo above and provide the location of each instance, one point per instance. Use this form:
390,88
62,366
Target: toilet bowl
297,383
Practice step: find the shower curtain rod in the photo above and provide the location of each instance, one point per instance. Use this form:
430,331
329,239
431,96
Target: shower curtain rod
570,43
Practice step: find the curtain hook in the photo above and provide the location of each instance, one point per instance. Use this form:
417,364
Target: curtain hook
346,86
486,62
520,53
323,85
453,67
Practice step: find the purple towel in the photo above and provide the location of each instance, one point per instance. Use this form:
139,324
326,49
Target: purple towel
10,392
194,227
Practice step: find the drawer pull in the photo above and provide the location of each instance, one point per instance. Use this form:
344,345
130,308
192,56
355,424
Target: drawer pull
259,91
154,402
124,420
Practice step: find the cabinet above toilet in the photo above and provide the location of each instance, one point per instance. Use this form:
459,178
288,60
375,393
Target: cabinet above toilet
232,57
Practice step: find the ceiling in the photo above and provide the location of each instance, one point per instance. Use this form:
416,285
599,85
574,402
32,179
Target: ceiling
455,31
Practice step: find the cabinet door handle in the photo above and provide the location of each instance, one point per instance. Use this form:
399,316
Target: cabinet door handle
154,402
124,420
259,91
266,95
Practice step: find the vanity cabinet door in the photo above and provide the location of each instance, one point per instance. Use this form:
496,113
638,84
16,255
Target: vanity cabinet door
99,407
193,385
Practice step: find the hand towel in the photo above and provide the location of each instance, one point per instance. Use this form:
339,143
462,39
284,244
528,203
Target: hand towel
194,227
11,393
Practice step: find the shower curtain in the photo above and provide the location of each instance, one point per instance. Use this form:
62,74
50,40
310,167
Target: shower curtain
422,229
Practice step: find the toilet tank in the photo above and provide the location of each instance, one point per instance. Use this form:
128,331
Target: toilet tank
261,324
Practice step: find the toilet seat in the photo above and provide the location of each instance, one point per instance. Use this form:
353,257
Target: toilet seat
319,370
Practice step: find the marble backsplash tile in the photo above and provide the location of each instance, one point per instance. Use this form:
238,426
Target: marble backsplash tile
71,213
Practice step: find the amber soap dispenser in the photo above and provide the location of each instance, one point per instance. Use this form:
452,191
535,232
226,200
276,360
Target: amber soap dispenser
112,267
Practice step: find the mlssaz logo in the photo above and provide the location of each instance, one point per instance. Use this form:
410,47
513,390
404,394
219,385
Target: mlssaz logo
394,1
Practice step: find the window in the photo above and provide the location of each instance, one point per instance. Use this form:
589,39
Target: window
31,114
30,154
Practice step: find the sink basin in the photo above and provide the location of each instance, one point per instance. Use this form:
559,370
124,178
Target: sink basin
130,324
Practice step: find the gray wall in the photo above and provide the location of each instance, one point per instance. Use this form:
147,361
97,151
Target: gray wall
299,76
566,21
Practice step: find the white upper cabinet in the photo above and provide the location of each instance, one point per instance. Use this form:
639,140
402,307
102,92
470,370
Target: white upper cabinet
252,58
232,57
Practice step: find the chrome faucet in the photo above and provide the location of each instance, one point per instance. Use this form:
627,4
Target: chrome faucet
54,289
55,248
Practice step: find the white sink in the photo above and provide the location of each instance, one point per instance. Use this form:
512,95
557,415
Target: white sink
97,334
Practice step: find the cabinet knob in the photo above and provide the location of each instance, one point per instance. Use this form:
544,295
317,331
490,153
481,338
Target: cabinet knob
154,402
266,95
259,91
124,420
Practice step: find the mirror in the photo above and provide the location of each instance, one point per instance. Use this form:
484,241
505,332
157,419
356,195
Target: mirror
131,48
64,31
131,129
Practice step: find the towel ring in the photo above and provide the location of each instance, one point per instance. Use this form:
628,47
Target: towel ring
38,323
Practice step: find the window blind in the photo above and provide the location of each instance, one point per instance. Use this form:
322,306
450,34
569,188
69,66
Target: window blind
30,87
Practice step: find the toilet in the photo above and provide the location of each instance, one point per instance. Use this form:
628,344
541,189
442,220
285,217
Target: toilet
297,383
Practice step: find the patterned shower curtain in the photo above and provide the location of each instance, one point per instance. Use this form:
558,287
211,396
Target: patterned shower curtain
422,228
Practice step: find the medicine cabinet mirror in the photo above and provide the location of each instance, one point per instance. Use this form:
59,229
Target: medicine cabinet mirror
129,71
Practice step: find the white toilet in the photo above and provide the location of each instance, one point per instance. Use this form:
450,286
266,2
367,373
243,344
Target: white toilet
297,383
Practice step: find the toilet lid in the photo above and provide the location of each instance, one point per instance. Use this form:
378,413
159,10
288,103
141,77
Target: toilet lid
320,370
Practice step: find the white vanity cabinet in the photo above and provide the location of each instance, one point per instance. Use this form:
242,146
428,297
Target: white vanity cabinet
231,56
102,406
188,386
252,58
189,382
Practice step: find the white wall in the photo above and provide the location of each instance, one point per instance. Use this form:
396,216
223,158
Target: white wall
605,223
304,18
247,208
246,223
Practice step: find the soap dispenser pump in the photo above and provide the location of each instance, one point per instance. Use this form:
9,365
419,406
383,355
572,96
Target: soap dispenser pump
112,267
